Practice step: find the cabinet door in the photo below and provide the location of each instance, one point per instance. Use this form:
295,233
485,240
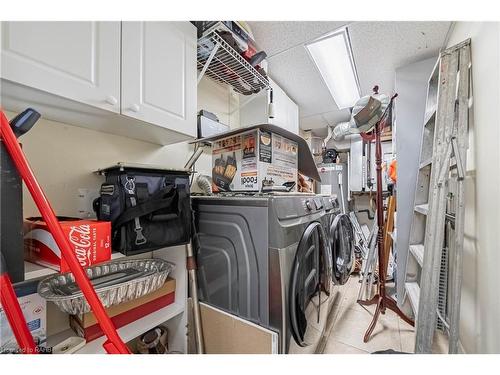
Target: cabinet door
75,60
293,117
280,101
286,112
159,74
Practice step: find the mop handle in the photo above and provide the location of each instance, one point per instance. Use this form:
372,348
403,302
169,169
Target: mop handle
13,311
114,345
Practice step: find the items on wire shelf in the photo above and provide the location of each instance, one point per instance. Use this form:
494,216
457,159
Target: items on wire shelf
228,55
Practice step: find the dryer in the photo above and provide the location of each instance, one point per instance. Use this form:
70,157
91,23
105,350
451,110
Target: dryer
340,239
265,258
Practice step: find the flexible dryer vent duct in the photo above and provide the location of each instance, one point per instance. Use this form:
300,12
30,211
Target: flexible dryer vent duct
204,183
340,131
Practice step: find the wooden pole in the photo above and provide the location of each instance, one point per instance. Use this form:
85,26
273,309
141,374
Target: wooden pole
381,299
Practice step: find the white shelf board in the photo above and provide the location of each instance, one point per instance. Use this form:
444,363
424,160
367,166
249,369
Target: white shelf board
417,251
413,294
34,271
136,328
422,208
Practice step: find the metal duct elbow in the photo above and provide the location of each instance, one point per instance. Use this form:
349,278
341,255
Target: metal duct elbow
340,131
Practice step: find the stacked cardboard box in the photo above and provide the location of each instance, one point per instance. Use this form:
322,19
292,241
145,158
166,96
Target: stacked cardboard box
86,325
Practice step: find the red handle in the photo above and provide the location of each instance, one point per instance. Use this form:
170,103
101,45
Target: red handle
15,316
115,343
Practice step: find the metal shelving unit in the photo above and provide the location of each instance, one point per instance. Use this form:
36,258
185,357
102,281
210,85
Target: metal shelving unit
421,205
173,316
218,60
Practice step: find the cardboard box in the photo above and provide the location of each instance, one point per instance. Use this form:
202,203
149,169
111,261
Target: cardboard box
224,333
90,239
34,309
250,160
86,325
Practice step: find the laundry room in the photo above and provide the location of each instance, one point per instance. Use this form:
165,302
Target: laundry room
276,186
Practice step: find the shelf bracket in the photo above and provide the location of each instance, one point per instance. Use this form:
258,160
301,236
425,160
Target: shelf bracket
207,63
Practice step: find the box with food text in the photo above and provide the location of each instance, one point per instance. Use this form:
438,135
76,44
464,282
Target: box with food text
255,160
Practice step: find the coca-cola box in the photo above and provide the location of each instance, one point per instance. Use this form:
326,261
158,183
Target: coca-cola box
89,239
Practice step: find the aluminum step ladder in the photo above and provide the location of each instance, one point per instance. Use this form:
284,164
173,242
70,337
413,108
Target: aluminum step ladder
369,256
434,268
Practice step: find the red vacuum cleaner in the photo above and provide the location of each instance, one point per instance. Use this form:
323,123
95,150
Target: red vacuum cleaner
9,133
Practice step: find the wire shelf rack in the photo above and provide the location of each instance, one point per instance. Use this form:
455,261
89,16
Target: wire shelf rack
218,60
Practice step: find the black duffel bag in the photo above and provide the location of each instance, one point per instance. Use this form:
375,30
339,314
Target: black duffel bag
148,208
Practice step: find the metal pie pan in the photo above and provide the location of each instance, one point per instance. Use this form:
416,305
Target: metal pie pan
114,282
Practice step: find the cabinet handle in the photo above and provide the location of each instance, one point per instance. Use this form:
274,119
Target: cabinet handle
134,108
110,99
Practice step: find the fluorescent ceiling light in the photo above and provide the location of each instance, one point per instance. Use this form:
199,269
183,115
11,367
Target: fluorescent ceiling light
332,55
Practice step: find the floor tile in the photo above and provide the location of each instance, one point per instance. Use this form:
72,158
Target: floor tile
407,334
351,320
337,347
350,327
440,343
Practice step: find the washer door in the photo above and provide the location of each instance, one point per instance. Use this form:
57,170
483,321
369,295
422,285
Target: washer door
342,247
305,292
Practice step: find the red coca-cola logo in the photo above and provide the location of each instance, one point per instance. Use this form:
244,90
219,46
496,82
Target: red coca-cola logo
79,236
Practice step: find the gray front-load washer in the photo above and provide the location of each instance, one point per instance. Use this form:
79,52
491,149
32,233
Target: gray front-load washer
263,258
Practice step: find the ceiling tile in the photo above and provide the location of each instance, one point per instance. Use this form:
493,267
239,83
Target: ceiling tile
295,73
276,37
381,47
325,119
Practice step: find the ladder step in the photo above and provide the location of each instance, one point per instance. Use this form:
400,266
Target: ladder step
422,208
429,116
413,294
417,251
425,163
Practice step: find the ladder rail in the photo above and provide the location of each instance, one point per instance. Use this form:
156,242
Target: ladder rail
434,228
462,140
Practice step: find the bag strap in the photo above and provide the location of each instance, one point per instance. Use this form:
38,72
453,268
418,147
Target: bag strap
131,192
147,207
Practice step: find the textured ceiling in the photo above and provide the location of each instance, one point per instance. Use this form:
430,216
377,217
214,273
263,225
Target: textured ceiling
276,37
378,47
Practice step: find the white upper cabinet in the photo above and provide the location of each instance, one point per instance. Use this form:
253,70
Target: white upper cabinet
135,79
293,117
159,74
75,60
254,110
286,112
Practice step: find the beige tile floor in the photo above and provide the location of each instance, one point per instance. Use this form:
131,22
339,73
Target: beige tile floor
349,321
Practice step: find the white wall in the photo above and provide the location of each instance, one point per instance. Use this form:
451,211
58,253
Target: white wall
63,156
480,313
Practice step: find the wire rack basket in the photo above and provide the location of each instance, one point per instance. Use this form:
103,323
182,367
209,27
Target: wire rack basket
217,59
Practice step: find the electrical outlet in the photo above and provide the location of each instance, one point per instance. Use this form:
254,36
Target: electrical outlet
85,199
